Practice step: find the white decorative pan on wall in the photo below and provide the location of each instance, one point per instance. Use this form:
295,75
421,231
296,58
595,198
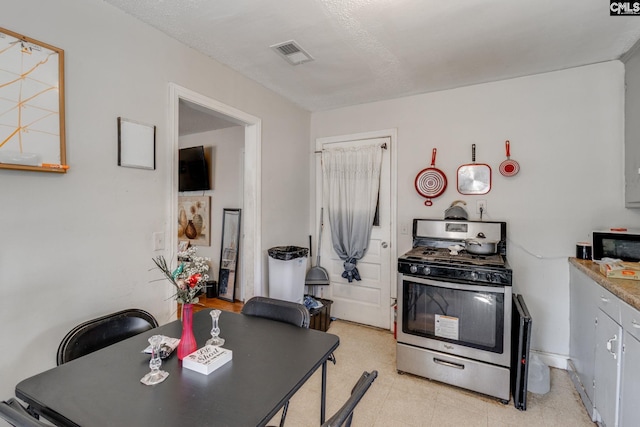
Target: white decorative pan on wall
474,178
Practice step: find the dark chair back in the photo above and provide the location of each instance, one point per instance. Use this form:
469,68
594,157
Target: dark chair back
15,414
102,332
282,311
345,413
275,309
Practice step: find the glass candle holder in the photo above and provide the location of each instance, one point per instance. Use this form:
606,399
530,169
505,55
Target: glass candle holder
156,375
215,339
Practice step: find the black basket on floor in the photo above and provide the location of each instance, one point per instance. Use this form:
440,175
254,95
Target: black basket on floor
321,317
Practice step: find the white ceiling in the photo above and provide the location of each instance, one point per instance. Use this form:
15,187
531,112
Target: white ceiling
369,50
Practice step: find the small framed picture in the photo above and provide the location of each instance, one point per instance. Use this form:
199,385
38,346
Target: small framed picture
136,144
194,220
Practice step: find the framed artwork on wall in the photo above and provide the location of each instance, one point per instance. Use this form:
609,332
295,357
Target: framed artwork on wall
194,220
136,144
32,131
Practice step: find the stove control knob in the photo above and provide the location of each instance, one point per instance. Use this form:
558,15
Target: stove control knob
426,271
413,269
474,275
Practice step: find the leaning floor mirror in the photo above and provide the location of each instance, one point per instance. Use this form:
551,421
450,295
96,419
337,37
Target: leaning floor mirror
229,254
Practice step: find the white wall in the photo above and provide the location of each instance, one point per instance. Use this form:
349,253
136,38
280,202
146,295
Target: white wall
79,245
226,169
566,131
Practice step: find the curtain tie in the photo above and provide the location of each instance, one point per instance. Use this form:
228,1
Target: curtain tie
350,271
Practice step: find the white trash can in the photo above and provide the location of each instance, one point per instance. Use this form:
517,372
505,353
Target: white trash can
287,270
538,380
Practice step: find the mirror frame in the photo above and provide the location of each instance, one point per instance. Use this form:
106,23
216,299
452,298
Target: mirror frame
229,251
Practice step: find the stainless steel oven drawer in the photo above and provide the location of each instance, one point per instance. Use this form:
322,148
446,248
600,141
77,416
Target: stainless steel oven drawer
470,374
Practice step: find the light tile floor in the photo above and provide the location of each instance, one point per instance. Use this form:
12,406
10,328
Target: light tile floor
407,400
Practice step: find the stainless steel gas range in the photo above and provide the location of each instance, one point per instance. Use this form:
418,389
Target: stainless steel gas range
454,308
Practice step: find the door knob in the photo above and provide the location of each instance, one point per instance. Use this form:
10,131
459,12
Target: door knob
384,245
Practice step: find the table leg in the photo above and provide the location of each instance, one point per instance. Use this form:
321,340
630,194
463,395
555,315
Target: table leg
323,398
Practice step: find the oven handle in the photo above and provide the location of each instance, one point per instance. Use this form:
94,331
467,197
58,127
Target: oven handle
449,364
452,285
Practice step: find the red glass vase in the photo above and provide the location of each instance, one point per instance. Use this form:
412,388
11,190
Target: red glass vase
187,343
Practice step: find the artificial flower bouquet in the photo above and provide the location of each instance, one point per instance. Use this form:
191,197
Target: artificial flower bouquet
189,277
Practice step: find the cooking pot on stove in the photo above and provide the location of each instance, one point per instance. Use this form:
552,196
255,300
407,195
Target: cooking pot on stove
456,211
480,245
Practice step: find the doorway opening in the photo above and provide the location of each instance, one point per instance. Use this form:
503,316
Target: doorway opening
370,300
250,242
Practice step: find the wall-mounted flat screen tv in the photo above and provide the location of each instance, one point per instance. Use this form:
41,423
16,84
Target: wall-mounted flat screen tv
193,170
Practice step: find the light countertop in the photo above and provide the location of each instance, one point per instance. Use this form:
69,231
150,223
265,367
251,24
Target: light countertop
627,290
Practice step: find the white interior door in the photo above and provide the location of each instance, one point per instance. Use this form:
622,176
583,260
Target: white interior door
367,301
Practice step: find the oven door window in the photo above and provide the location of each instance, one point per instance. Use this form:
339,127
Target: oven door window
466,317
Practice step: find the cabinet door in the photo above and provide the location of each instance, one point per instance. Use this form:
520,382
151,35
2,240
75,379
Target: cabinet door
607,372
630,387
584,310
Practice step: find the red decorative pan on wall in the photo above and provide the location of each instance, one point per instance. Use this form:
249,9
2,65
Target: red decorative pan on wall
509,167
431,182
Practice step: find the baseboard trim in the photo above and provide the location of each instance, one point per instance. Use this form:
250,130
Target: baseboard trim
552,360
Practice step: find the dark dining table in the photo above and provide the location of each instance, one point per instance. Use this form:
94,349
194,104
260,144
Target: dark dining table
271,361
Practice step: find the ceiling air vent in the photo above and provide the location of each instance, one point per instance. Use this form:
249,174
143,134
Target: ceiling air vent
292,52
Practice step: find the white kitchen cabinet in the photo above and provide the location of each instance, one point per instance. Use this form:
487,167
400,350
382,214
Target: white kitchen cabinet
630,381
604,355
630,387
607,369
584,311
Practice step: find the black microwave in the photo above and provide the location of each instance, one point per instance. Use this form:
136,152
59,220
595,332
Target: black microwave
618,244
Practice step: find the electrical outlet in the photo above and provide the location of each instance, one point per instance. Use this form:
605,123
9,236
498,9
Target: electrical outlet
404,228
481,204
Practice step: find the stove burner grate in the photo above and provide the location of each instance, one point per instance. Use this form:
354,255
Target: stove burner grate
440,255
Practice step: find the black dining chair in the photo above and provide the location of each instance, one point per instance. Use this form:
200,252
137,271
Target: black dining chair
103,331
344,415
282,311
17,415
